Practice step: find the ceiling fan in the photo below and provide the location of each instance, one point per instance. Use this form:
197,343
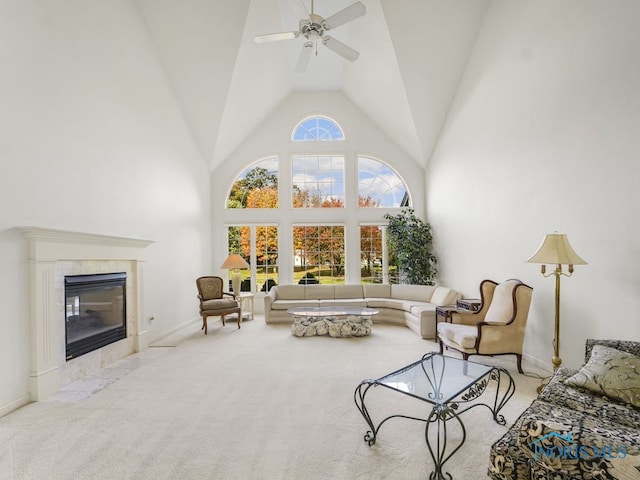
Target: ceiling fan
313,29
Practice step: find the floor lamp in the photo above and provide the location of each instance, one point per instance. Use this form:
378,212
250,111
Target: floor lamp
556,250
235,262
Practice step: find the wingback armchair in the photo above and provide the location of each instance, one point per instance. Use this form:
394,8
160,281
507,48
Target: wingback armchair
213,302
497,328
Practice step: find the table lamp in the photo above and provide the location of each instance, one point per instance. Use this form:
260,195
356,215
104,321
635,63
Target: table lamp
235,262
556,250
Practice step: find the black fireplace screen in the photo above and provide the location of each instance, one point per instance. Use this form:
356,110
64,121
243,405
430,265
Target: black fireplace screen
95,311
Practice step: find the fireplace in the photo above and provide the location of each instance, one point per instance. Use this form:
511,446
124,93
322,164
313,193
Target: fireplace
95,311
55,255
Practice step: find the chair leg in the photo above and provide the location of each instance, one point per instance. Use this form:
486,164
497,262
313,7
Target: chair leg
519,363
239,317
441,347
204,324
222,317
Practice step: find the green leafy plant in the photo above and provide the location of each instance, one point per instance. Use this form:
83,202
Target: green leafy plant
410,240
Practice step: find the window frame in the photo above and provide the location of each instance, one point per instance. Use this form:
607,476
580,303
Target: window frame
334,126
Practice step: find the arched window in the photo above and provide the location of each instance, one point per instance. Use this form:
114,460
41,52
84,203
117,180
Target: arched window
315,240
317,128
256,186
380,186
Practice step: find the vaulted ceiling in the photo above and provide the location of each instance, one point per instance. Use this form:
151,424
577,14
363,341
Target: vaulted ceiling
412,57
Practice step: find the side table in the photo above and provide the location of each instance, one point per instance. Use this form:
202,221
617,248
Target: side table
469,305
445,312
246,303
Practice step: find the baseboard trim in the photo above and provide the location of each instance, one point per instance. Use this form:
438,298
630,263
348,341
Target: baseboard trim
14,405
175,329
536,362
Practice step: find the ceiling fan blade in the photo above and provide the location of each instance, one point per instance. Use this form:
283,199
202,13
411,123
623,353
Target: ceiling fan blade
274,37
305,55
345,51
345,15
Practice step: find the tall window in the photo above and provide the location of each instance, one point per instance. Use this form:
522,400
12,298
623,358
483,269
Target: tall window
256,186
258,245
371,254
319,254
318,181
317,128
379,185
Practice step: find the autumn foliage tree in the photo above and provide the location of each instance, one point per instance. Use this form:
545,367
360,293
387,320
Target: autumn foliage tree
370,238
257,189
266,237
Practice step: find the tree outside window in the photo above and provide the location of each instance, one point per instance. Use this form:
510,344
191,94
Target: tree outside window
319,254
256,186
258,245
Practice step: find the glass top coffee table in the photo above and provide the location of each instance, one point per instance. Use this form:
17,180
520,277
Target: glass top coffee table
451,386
332,320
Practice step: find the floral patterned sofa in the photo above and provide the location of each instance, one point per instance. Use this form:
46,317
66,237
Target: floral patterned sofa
572,432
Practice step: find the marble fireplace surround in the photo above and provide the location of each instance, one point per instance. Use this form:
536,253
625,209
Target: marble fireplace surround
54,254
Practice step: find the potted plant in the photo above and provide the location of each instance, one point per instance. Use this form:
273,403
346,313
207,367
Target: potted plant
410,240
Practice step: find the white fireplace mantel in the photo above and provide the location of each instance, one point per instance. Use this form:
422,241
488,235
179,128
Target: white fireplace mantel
53,254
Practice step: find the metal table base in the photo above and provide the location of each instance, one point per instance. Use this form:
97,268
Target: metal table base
445,407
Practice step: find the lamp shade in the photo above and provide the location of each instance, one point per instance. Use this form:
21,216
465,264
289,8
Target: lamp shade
234,261
555,249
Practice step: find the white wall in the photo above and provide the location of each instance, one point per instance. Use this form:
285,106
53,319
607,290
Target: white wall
543,136
91,140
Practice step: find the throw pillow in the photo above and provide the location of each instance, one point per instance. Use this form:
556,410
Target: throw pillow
612,373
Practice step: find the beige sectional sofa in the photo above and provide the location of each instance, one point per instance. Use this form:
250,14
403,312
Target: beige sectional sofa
413,306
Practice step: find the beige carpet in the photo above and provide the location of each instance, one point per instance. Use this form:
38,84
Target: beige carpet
250,404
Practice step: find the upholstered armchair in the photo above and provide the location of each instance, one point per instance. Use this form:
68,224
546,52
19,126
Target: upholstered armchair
497,328
213,302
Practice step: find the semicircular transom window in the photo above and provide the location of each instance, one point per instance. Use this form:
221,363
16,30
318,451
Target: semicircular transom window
380,186
256,186
317,128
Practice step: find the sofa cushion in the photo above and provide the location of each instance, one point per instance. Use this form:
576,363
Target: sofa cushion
420,293
399,304
570,443
423,310
376,290
463,335
582,400
501,308
612,373
318,292
289,292
381,303
347,291
344,302
287,304
444,296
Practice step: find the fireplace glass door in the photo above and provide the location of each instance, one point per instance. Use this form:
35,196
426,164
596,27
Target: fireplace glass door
95,311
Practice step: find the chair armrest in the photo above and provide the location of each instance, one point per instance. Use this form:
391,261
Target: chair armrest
498,338
466,318
230,294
